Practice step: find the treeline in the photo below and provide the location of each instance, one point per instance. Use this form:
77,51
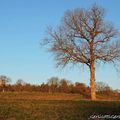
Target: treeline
54,85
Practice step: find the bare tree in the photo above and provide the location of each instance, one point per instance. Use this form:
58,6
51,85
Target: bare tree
3,81
64,85
53,83
84,37
20,82
101,87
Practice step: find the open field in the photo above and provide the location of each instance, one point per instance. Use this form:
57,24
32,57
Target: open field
44,106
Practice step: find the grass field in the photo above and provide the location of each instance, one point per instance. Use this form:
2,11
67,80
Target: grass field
43,106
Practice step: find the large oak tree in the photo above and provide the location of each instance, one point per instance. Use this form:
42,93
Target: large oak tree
84,37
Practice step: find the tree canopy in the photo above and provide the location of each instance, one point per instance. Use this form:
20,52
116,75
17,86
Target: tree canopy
84,37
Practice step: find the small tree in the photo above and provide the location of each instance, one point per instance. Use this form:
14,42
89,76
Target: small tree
84,37
20,85
82,88
64,85
53,83
20,82
3,81
103,88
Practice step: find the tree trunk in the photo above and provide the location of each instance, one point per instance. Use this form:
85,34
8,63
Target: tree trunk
92,81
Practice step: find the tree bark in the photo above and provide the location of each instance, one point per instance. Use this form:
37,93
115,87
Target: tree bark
92,81
92,71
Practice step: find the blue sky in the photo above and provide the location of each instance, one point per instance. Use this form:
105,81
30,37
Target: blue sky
22,27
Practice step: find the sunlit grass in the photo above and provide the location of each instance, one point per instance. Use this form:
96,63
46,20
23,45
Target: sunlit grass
16,106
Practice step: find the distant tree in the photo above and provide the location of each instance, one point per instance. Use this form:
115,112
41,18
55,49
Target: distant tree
20,82
20,85
3,81
82,88
44,87
53,83
64,86
84,37
103,88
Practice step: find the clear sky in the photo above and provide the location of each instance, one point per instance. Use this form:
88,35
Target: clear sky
22,27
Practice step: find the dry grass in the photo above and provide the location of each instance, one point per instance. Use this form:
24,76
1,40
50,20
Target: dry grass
39,96
44,106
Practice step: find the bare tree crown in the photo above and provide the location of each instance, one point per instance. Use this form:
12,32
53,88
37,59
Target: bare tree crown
83,36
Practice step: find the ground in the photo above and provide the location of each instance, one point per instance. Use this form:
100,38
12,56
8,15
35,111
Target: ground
44,106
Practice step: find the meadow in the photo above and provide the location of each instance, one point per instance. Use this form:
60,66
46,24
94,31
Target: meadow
57,106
